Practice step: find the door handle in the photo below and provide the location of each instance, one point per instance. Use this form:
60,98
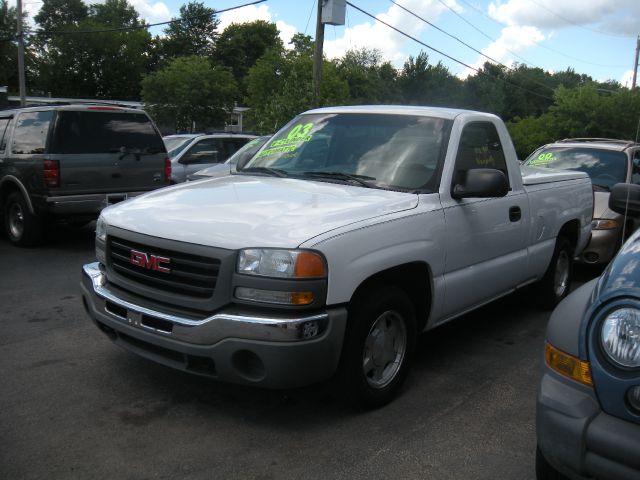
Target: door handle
515,214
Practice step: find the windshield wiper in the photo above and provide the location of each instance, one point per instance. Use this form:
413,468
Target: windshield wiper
274,172
360,179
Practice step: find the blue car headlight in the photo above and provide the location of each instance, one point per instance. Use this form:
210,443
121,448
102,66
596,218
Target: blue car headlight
620,336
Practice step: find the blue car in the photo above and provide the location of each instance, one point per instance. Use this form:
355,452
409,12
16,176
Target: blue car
588,408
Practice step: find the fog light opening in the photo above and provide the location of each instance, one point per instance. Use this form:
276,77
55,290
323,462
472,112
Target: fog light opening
591,257
310,330
633,398
248,365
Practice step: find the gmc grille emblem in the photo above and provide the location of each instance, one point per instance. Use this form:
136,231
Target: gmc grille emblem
150,262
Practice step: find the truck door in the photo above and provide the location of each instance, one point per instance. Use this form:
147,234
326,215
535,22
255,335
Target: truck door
485,245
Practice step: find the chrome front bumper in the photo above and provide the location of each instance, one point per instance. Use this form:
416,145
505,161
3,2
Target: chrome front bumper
272,350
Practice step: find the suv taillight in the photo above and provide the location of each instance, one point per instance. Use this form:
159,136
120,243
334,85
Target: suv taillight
52,173
167,171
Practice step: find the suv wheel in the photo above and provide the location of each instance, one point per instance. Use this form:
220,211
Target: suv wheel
556,283
23,228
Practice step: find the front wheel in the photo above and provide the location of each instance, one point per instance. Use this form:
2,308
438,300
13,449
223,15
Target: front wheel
556,283
378,346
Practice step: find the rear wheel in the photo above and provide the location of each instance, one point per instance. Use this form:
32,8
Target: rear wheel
23,228
544,470
378,347
556,283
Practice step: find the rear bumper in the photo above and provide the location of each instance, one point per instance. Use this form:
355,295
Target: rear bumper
602,247
579,439
89,204
264,350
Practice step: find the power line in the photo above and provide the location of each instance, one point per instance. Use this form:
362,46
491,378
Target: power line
464,43
484,34
446,55
540,44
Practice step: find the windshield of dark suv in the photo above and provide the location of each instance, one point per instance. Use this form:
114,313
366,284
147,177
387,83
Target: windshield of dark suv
398,152
604,167
105,132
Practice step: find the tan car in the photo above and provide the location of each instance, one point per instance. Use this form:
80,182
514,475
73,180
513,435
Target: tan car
607,162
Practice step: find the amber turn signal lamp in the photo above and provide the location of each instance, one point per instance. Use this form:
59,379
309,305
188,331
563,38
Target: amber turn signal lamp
310,265
568,365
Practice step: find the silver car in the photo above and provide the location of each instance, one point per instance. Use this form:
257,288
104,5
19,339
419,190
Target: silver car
245,153
192,152
607,162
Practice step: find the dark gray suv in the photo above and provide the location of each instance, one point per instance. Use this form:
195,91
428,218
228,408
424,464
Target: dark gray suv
68,162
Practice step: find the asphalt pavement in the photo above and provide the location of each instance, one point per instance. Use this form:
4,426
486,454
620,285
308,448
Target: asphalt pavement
74,406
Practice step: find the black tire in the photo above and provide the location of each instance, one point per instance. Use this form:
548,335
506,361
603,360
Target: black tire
378,347
556,283
544,470
22,227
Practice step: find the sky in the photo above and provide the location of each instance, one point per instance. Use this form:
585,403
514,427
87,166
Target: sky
595,37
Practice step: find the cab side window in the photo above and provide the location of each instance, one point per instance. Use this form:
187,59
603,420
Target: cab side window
479,147
4,130
635,176
30,134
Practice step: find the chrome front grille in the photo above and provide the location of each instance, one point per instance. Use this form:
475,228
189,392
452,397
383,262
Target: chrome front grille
188,275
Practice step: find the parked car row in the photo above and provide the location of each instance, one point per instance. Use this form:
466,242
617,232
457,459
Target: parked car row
326,249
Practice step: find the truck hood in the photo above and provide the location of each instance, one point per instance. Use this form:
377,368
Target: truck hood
242,211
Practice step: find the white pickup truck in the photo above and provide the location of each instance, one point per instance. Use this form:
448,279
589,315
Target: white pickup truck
350,232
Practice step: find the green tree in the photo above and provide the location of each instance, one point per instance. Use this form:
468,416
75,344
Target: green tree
240,45
194,32
57,15
8,46
190,90
424,84
485,91
279,87
107,64
370,80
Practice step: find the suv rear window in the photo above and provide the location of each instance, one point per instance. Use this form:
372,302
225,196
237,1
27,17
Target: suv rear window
30,135
104,132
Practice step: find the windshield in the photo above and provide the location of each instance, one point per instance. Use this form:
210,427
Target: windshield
176,144
248,150
605,167
402,152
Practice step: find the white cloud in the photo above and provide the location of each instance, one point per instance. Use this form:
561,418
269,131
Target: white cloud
375,35
152,12
252,13
549,14
512,40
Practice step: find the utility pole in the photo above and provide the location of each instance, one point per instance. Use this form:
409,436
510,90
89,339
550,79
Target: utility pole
635,65
333,13
20,35
317,56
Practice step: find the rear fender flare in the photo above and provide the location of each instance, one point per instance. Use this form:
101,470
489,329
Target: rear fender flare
10,181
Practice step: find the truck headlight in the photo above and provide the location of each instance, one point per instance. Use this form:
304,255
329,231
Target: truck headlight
101,229
620,336
269,262
604,224
101,240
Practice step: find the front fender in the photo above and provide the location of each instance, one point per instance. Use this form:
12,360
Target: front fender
564,328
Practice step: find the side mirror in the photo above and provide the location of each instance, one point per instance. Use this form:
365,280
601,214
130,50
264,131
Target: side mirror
482,183
625,198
